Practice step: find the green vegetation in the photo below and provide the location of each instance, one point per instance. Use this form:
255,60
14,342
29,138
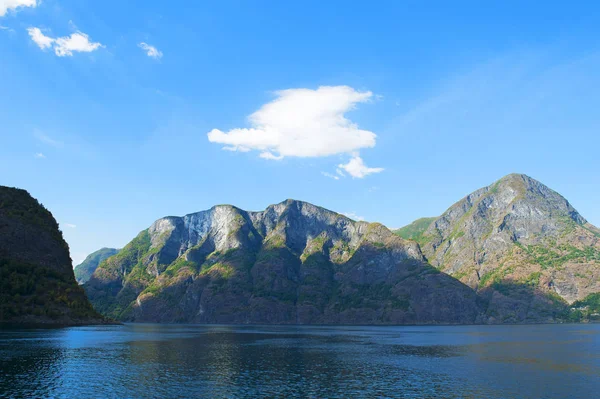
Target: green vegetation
494,188
371,296
131,255
275,241
316,245
592,229
30,290
456,234
129,274
18,204
495,276
559,255
84,271
179,264
42,287
533,279
218,269
586,309
415,230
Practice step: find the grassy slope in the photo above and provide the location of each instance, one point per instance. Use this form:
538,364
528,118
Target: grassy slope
415,230
85,269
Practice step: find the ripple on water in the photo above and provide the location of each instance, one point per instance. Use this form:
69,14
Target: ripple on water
152,361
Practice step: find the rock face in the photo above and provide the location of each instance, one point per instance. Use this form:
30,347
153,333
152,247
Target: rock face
37,284
521,245
293,263
85,269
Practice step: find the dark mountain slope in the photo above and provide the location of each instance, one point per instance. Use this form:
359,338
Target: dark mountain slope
292,263
37,284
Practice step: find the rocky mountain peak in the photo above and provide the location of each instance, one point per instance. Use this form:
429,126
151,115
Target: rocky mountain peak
516,231
516,208
293,262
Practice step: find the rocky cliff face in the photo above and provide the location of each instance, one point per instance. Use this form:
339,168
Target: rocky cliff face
526,250
85,269
37,284
291,263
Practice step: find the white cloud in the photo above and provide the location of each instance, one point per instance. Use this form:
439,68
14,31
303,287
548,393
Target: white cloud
70,225
331,176
302,123
353,216
151,51
40,39
77,42
39,155
357,168
265,155
6,5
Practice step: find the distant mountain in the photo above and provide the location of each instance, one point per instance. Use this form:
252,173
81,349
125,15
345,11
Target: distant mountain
415,230
85,269
293,263
37,284
522,246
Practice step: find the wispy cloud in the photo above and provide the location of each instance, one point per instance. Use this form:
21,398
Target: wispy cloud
13,5
70,225
65,46
508,94
331,176
353,216
39,155
151,51
44,138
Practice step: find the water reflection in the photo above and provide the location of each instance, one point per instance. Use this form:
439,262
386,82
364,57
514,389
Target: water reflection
153,361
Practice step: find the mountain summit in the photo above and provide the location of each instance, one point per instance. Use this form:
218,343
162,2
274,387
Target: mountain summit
291,263
518,241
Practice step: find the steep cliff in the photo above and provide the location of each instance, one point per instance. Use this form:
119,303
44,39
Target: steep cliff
292,263
37,284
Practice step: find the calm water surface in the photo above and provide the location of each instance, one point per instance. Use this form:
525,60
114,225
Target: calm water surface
185,361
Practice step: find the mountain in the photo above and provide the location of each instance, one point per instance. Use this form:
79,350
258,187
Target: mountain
521,245
37,284
293,263
415,230
85,269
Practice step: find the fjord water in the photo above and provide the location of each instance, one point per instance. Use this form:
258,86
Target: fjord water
190,361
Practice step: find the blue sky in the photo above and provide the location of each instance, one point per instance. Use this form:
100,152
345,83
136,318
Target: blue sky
106,106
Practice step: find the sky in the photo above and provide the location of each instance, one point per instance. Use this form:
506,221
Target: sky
114,114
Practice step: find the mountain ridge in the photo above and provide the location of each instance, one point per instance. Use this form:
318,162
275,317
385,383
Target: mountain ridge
293,262
525,252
